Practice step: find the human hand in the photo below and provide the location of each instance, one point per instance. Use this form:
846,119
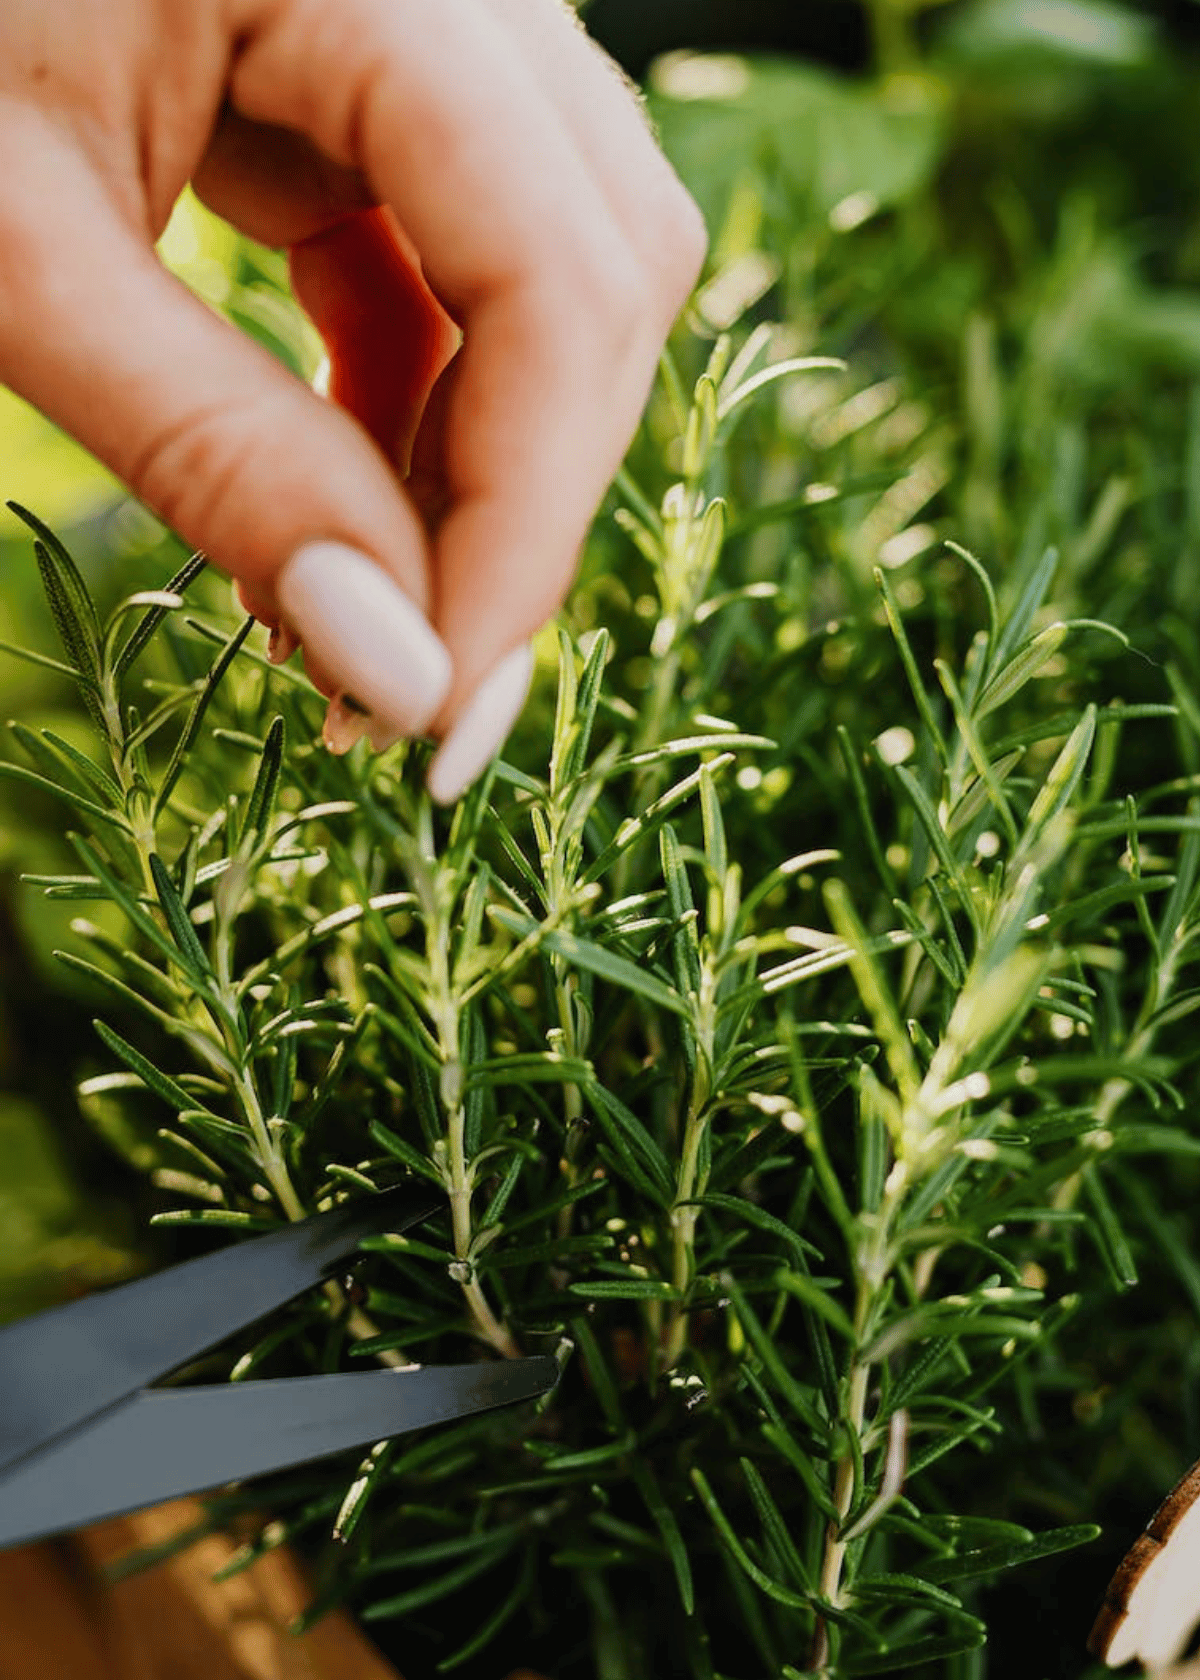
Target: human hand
548,228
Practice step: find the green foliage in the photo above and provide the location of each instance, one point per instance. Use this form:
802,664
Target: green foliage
775,1185
796,1019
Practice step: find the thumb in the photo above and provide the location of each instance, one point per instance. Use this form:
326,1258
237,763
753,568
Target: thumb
228,447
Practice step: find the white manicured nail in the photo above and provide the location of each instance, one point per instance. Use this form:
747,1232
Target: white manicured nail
363,629
483,727
345,723
281,644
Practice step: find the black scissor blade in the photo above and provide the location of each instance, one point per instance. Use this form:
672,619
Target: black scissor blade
64,1366
166,1442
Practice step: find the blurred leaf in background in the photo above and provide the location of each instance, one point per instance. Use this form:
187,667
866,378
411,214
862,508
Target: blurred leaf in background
51,1238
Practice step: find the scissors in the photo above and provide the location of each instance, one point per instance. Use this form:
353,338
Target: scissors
83,1436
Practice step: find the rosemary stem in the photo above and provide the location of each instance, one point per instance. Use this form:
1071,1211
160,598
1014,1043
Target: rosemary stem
571,1095
829,1583
459,1178
270,1157
683,1233
871,1267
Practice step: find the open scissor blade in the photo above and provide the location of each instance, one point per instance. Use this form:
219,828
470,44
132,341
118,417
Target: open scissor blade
163,1443
71,1363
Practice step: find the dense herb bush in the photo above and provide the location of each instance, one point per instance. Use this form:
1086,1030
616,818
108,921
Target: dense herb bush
797,1019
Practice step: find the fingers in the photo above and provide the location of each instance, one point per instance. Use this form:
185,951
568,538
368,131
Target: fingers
522,238
203,425
386,336
360,282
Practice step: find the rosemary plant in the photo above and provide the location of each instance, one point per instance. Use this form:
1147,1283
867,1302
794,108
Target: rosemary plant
774,1154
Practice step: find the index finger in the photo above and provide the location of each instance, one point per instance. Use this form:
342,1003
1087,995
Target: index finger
561,328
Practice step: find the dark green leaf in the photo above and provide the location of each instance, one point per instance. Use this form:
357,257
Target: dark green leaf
160,1083
595,959
178,920
633,1142
665,1520
765,1583
144,629
196,716
912,1654
630,1289
261,804
985,1560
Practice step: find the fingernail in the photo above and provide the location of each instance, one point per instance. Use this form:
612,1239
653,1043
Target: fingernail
483,727
281,644
382,735
360,626
345,723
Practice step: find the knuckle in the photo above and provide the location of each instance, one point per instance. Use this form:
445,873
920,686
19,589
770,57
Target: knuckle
587,298
674,239
626,291
612,287
683,244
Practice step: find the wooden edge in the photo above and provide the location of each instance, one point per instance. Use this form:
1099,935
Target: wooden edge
1138,1558
1119,1591
1176,1505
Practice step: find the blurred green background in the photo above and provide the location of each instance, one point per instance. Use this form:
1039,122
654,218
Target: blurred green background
990,209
